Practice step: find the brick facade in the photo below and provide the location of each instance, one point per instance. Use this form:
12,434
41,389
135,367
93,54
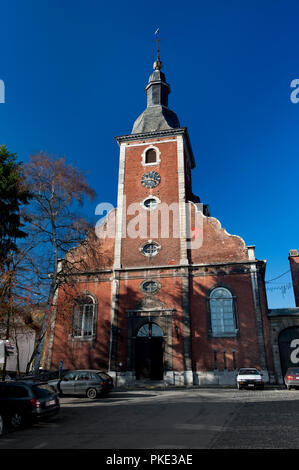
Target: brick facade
294,265
111,272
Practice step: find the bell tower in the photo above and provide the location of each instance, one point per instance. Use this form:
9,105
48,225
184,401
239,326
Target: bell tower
154,184
151,257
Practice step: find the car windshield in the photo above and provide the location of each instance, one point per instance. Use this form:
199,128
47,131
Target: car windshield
293,371
249,372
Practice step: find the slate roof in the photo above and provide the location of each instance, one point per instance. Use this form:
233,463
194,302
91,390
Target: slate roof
157,116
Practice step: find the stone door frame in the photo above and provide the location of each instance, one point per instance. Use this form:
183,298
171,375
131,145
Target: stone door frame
138,318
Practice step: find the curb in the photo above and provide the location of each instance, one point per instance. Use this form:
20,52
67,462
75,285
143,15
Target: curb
190,387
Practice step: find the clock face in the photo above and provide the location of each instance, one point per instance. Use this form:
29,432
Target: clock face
151,179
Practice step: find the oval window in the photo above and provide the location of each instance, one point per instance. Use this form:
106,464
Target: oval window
150,286
150,249
150,203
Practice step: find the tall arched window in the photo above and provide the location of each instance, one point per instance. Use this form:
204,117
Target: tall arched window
223,320
84,317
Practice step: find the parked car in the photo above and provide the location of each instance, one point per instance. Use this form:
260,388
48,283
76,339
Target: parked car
291,378
8,418
249,377
26,402
91,383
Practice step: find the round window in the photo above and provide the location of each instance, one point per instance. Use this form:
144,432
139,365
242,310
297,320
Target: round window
150,249
150,286
150,203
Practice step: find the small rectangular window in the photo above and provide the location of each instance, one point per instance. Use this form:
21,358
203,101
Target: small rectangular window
150,156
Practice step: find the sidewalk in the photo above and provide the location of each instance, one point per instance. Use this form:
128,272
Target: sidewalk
160,385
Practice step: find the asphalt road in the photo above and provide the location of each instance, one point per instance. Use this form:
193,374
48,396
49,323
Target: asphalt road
170,419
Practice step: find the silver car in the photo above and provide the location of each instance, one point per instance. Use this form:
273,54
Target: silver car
90,383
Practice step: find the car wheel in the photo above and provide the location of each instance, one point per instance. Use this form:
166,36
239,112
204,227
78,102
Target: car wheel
1,425
16,420
91,393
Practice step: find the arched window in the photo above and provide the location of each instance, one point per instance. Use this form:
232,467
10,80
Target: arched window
149,330
223,321
84,317
150,156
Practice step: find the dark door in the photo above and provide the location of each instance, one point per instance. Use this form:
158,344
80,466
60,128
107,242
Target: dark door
156,358
289,348
149,353
143,358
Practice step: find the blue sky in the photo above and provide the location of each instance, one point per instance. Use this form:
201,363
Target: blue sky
75,71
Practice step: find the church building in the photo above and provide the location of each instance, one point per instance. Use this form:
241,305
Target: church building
160,291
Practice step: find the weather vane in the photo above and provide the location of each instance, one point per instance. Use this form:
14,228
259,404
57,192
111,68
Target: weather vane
158,63
157,41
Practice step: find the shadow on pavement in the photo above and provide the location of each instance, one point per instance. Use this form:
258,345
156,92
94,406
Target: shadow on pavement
107,398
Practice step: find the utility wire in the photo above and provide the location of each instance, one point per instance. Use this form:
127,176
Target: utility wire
278,276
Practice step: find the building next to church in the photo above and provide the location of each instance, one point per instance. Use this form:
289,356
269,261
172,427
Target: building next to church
166,294
284,327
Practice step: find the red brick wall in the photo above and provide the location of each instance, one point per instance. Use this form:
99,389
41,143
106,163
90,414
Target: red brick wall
97,251
73,352
266,322
245,345
166,191
217,244
218,247
294,264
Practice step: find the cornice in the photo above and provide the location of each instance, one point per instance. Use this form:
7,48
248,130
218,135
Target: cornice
160,133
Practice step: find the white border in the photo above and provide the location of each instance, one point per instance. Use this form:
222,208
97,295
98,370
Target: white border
150,208
158,153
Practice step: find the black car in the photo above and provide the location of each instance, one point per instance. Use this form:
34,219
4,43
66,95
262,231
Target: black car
26,402
3,421
88,382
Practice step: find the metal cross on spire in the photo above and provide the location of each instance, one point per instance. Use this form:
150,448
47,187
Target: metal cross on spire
157,41
158,63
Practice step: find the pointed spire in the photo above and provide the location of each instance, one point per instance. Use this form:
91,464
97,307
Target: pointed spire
157,115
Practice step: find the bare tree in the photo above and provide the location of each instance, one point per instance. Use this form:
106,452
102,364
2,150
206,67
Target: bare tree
17,295
55,226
